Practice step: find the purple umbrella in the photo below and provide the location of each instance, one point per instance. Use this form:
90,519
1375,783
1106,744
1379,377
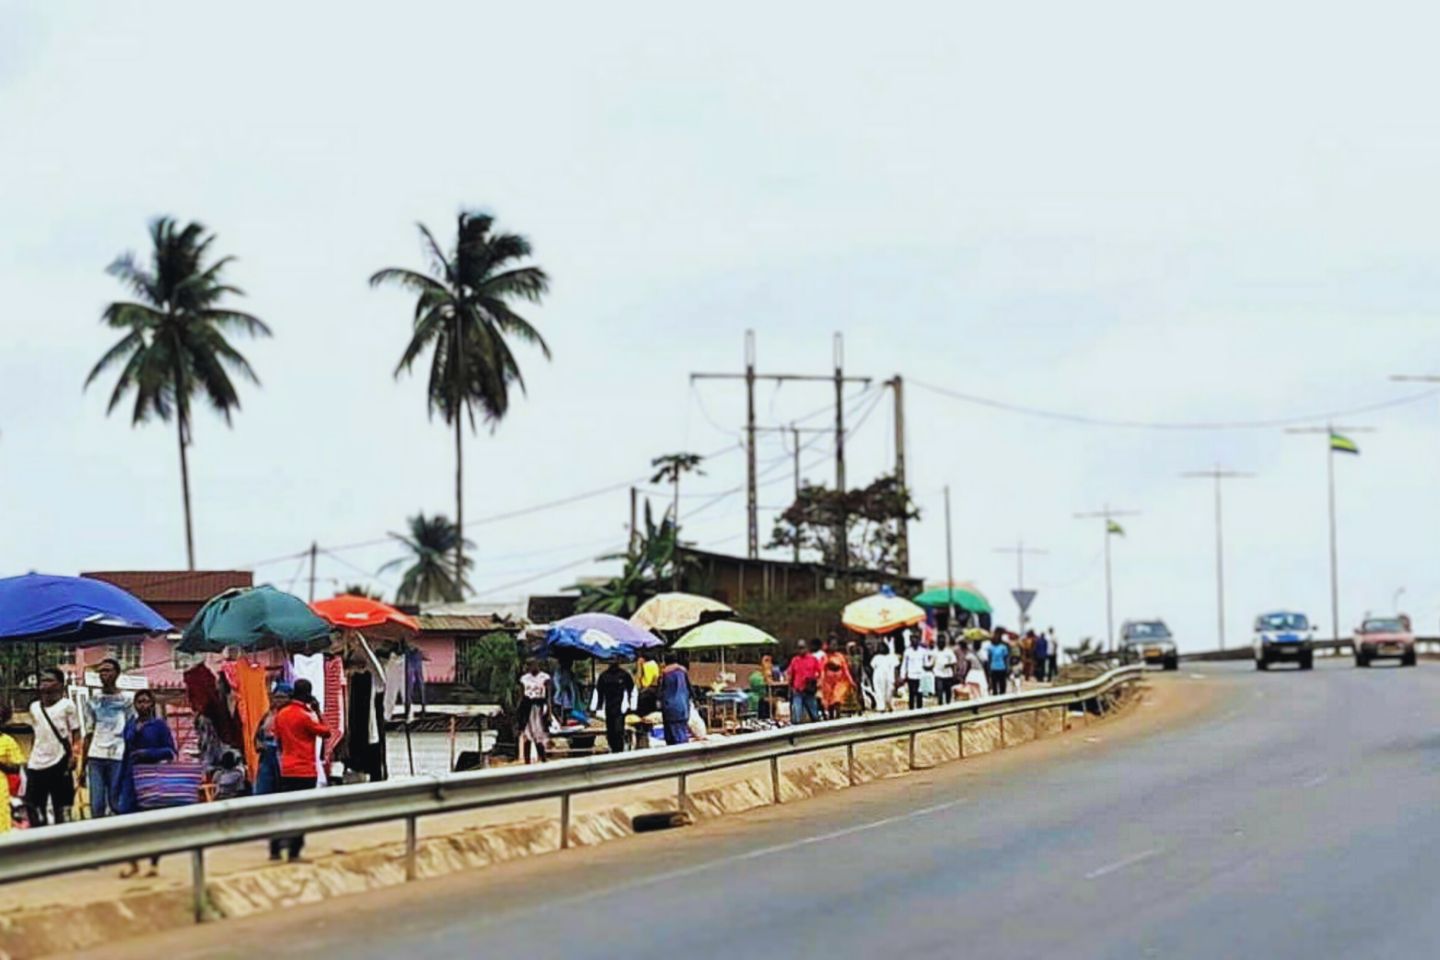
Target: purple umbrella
617,628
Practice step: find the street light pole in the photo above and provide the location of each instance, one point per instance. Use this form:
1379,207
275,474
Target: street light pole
949,563
1108,516
1217,474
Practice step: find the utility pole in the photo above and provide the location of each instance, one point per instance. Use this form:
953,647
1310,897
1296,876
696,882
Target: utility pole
314,550
842,531
1218,475
1111,527
634,518
750,377
1331,431
1020,551
902,523
949,563
794,433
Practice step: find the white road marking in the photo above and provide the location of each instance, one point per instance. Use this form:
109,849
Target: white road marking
685,872
1121,864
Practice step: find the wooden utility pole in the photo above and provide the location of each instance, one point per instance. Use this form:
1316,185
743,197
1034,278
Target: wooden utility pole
1111,527
634,518
794,433
314,550
1217,474
902,523
750,377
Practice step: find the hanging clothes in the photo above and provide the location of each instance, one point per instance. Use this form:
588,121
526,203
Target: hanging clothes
254,700
362,739
334,712
394,683
415,676
311,667
207,701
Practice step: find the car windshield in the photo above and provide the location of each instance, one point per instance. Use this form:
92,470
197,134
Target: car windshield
1383,625
1284,621
1149,631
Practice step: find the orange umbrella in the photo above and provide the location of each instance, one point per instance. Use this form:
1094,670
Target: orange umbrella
362,613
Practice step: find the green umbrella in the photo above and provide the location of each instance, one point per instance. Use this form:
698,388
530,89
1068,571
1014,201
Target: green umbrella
965,598
255,619
724,633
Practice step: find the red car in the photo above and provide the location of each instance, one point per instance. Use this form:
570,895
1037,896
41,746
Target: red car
1385,637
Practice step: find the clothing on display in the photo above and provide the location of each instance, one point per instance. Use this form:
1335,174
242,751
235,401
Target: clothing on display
253,695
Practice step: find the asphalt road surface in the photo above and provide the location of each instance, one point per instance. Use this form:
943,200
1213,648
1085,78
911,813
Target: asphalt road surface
1293,817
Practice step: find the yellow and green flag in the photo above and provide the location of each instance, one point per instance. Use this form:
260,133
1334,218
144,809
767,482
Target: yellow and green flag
1112,527
1341,444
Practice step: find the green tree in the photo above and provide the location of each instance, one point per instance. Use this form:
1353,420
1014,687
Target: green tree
175,345
869,514
464,317
651,567
359,590
432,575
669,469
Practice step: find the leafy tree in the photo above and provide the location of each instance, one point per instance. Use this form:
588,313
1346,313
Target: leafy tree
870,517
359,590
432,575
651,567
464,317
669,469
491,667
174,345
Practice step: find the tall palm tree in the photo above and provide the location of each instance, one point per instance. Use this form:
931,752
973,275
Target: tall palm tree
464,315
669,469
174,344
432,575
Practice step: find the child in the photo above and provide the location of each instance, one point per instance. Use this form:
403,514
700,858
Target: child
12,758
228,778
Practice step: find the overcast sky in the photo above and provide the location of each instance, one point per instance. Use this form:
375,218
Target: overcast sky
1107,209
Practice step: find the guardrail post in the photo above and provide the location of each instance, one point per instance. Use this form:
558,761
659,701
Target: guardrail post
409,848
564,821
912,751
197,883
680,794
960,740
775,778
1002,731
850,763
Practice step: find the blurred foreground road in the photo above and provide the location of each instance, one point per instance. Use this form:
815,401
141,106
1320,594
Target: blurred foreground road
1293,817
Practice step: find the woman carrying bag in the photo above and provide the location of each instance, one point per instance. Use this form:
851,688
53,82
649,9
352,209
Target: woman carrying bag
149,746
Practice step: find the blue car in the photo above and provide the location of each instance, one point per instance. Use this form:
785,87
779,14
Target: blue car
1284,636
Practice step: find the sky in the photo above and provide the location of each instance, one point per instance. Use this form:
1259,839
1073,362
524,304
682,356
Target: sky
1116,210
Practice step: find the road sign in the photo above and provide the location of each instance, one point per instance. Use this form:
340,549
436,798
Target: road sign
1023,599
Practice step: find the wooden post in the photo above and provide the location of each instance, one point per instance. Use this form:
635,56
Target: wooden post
850,762
775,778
565,821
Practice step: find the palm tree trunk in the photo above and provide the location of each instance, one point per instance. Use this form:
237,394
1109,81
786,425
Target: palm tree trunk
185,491
459,508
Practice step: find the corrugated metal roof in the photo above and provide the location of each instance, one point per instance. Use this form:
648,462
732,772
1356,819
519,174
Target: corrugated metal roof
174,585
463,623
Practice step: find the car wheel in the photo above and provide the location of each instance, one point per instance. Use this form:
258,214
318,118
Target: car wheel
1173,663
1262,664
1408,660
1361,660
1307,662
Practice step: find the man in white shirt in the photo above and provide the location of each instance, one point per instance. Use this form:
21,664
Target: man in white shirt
882,676
49,773
106,714
912,671
945,661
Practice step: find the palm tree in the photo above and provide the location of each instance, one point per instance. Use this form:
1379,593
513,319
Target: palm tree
463,315
432,575
359,590
174,344
669,469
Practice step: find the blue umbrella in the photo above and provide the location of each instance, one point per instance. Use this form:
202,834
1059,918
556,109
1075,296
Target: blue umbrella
72,610
599,635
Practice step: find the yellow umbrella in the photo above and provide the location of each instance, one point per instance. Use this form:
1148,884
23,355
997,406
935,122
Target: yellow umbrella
881,613
675,611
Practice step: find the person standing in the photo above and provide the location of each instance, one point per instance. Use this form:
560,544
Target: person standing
913,670
883,667
945,663
298,729
147,740
675,701
999,664
614,686
1042,658
803,674
267,748
50,772
106,714
1054,646
986,645
12,758
533,721
836,681
647,685
976,682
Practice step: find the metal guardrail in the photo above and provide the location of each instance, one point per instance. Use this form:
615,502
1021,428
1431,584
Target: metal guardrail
83,845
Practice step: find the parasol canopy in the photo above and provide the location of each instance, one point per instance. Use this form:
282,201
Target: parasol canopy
724,633
73,610
881,613
599,635
965,596
676,611
362,613
254,619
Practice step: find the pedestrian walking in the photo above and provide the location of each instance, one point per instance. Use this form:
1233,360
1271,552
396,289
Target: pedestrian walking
615,687
999,663
147,740
1054,647
913,667
1042,657
50,771
945,662
836,682
299,730
883,668
12,758
803,674
533,721
976,682
855,658
675,700
103,755
267,747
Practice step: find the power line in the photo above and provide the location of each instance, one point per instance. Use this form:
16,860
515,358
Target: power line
1090,421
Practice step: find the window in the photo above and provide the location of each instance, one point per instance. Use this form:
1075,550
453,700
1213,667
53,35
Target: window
128,654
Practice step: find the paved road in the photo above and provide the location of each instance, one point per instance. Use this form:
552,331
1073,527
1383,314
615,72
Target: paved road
1293,819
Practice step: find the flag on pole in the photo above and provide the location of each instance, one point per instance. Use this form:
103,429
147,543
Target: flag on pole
1112,527
1341,444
